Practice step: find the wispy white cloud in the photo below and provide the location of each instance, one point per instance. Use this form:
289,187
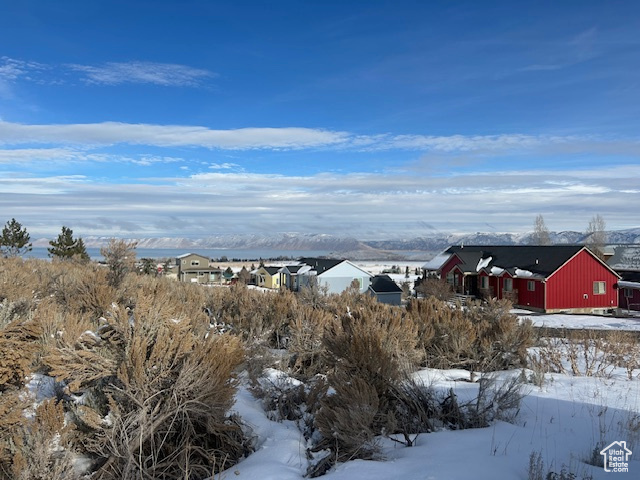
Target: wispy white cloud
12,69
89,135
93,135
110,133
224,166
111,73
25,156
165,74
465,143
558,55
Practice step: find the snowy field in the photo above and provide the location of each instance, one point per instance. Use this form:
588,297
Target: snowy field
576,321
562,422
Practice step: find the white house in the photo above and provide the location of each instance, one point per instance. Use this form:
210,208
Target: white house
334,275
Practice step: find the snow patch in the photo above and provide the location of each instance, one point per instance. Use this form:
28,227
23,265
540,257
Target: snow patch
483,263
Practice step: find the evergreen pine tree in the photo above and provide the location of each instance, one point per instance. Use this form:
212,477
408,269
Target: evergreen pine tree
65,247
14,240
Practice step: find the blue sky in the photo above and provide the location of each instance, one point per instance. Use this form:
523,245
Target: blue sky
369,118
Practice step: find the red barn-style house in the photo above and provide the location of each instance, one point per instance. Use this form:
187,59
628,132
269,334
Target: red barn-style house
551,279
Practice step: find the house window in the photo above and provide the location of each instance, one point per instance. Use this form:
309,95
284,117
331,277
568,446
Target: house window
450,278
531,285
628,293
195,263
484,283
599,288
508,284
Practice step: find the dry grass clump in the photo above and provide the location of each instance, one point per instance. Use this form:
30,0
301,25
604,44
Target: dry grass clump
588,353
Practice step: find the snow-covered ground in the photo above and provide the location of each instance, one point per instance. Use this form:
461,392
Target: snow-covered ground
563,422
580,321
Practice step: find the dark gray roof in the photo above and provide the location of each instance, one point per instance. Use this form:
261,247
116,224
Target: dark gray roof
625,257
541,260
321,265
293,268
629,276
272,270
384,284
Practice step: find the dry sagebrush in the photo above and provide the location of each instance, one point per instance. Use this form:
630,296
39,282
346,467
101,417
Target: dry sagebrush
482,337
147,385
156,398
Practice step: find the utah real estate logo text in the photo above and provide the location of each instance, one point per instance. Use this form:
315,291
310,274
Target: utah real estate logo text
616,457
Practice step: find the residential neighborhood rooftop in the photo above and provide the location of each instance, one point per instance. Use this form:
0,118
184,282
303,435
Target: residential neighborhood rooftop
541,260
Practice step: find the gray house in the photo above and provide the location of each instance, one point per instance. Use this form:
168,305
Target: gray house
292,275
385,290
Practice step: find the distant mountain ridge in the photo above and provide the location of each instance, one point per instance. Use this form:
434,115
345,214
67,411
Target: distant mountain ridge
439,242
370,249
284,241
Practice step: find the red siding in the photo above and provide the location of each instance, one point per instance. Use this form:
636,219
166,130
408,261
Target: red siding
571,287
500,281
526,298
448,265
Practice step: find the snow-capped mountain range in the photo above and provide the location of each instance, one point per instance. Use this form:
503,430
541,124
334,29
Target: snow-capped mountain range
302,241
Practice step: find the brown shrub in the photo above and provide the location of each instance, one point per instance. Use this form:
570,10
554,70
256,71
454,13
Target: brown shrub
484,336
82,288
435,287
348,420
165,391
374,343
18,349
40,446
306,346
369,351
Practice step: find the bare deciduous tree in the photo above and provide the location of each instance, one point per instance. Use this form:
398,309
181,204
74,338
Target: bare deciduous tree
596,236
120,256
540,232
